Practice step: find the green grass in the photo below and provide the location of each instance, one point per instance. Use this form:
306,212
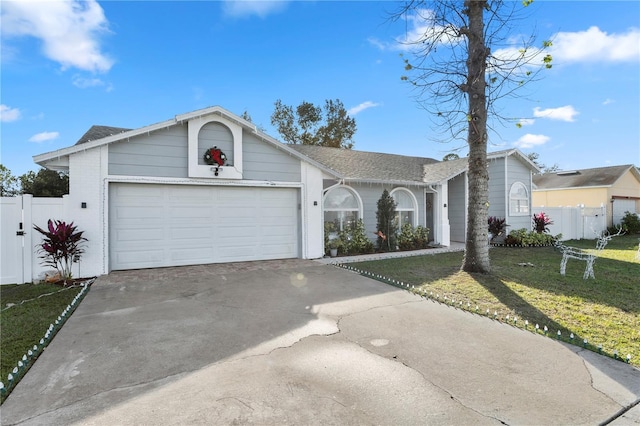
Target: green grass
605,311
24,324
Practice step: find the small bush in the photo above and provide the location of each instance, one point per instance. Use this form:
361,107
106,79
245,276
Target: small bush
497,226
411,238
61,247
541,222
406,237
630,223
421,237
525,238
356,241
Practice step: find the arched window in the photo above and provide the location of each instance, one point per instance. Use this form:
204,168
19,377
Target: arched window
518,200
341,210
405,206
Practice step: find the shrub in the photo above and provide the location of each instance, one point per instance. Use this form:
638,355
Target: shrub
630,223
525,238
411,238
387,222
61,246
541,222
406,239
356,241
497,226
421,237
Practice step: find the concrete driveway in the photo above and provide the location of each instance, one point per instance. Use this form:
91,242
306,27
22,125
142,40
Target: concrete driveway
297,342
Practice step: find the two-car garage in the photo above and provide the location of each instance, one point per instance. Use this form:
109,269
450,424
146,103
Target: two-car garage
158,225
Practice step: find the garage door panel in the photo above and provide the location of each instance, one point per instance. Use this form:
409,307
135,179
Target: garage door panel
199,255
136,234
230,233
190,212
140,212
130,259
193,233
171,225
280,233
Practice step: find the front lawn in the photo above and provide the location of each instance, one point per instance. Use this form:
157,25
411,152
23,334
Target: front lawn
28,310
604,311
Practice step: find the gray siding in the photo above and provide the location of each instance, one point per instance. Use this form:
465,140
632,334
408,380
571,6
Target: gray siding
164,154
159,154
457,208
497,188
261,161
370,194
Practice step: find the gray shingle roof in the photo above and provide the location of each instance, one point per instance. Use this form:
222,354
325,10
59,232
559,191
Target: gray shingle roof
444,170
367,166
99,132
599,176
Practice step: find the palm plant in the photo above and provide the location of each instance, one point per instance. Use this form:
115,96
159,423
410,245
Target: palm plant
61,247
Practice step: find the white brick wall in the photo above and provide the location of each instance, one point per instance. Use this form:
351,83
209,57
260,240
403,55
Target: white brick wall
86,177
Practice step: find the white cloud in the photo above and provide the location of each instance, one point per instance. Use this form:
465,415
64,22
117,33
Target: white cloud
608,101
84,83
44,136
261,8
420,28
364,105
526,121
8,114
595,45
529,141
565,113
69,30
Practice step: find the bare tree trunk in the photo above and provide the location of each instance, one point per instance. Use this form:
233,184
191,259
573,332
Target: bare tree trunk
476,258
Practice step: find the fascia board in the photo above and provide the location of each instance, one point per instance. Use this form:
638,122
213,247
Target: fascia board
517,152
573,188
387,182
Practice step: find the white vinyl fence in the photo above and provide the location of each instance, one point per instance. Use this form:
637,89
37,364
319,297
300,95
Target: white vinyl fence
576,223
19,259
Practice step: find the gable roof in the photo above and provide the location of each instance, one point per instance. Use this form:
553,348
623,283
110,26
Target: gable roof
363,166
103,135
368,166
99,132
583,178
344,164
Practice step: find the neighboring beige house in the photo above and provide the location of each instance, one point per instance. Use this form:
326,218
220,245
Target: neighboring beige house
616,187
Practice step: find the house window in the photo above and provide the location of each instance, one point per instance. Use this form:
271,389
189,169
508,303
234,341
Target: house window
341,210
518,200
405,206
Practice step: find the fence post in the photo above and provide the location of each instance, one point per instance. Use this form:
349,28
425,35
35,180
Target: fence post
28,238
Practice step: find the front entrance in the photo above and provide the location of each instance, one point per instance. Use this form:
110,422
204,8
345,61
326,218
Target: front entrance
430,198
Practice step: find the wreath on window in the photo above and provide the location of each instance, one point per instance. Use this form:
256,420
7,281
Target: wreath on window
215,157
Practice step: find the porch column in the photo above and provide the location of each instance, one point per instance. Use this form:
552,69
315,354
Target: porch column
444,230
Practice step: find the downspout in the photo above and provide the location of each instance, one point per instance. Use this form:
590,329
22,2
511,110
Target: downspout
324,191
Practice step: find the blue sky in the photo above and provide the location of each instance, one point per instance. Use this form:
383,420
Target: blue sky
69,65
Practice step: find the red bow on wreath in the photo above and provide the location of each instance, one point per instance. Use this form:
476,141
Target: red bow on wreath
214,156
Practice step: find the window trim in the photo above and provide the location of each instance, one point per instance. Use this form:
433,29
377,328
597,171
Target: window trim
352,191
413,200
513,206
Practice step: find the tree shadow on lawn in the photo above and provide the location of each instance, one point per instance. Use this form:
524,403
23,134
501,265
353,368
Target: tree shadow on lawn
519,306
616,283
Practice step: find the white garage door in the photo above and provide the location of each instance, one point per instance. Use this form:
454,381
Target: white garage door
172,225
620,207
